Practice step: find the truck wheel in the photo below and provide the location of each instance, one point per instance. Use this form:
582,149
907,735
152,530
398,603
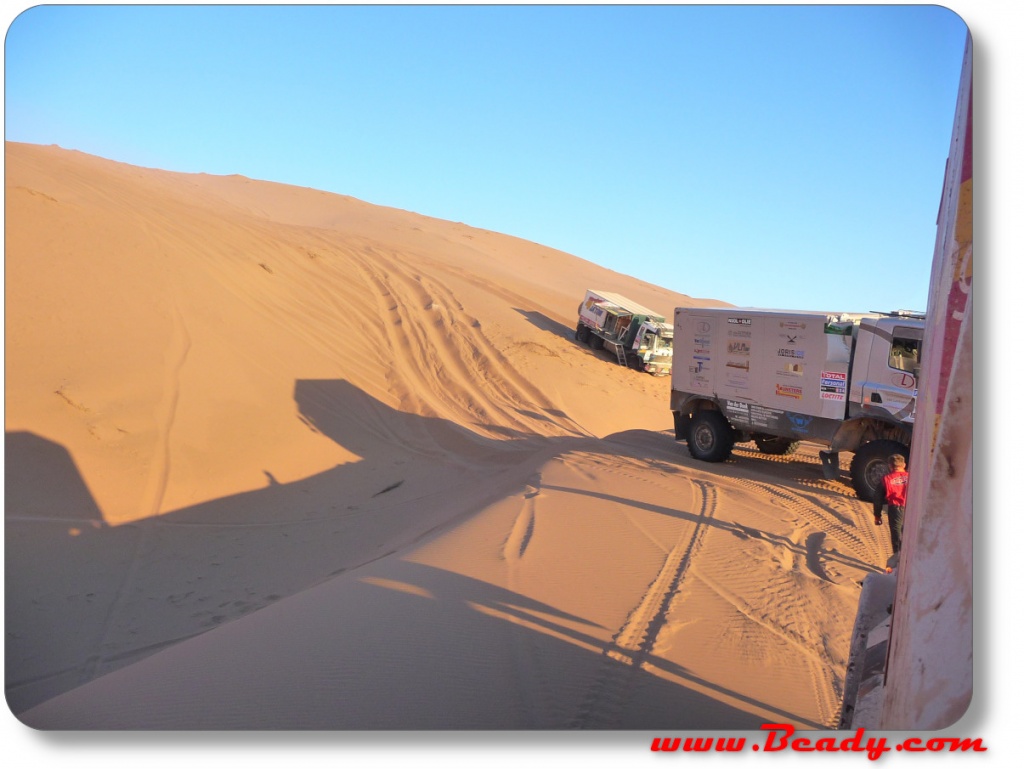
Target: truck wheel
772,444
871,463
596,342
582,333
710,438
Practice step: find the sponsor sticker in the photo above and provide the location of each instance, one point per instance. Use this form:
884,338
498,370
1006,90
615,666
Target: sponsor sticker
737,408
737,379
761,416
789,391
904,380
799,423
699,380
833,385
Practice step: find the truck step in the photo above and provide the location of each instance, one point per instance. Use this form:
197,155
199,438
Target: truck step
620,353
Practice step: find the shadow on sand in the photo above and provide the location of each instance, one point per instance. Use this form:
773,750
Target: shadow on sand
544,323
84,599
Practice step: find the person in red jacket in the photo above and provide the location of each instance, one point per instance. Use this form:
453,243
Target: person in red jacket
892,492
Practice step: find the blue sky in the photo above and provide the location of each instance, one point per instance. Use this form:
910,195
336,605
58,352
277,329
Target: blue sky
776,156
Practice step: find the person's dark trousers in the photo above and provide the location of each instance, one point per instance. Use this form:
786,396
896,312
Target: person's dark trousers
896,526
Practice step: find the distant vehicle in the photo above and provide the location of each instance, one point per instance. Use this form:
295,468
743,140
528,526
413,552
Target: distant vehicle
845,381
639,337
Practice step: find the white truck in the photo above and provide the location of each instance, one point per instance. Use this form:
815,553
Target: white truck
844,381
639,337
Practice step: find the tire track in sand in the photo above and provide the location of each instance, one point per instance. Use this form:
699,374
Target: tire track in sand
156,484
781,603
449,366
841,525
522,529
160,467
627,653
825,685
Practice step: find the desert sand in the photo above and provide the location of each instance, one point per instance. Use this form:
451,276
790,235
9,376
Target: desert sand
281,459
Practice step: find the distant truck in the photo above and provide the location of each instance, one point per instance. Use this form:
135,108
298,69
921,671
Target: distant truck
639,337
844,381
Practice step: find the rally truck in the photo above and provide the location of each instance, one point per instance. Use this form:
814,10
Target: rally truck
640,338
847,382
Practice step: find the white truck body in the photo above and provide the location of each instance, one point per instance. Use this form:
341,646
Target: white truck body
840,380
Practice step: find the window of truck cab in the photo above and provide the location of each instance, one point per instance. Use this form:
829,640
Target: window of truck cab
905,352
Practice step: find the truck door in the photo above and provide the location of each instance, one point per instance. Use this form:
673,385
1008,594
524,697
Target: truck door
893,358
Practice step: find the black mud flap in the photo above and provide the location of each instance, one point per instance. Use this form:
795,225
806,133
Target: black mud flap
682,424
830,464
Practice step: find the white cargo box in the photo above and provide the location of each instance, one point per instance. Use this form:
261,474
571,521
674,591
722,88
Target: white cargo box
597,304
763,362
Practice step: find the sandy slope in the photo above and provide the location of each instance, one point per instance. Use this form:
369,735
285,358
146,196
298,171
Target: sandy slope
279,458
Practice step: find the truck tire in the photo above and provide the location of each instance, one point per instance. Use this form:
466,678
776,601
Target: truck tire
710,437
582,333
772,444
871,463
596,342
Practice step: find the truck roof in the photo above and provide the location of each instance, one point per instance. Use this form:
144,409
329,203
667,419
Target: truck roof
844,316
626,304
772,311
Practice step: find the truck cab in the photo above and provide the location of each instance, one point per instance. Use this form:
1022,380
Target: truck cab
652,346
886,366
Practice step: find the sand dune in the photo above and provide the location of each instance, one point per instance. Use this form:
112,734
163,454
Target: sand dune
278,458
